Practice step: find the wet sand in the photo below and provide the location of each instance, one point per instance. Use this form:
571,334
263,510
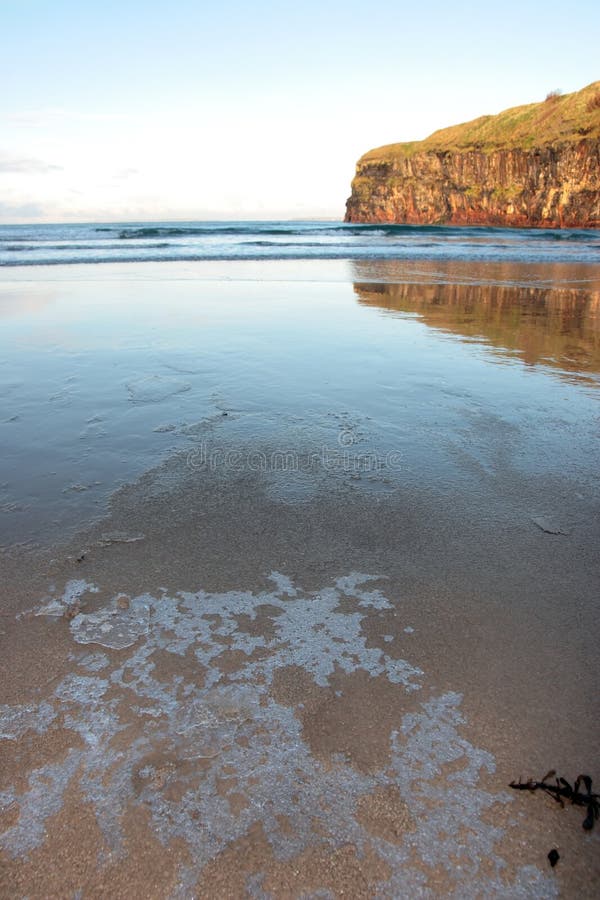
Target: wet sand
304,650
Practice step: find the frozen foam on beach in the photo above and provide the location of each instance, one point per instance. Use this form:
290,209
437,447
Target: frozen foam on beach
195,720
75,589
116,627
154,388
52,608
16,720
70,599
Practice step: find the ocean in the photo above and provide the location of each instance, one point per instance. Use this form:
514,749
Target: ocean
28,245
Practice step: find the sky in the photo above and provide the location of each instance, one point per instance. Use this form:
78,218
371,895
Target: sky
143,110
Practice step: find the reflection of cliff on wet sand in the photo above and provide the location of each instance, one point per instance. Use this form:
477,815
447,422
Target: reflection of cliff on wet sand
558,327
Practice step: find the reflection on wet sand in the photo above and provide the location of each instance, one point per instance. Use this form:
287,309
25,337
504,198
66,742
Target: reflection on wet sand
558,327
14,302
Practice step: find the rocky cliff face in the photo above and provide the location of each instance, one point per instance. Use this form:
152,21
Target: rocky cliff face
551,187
544,171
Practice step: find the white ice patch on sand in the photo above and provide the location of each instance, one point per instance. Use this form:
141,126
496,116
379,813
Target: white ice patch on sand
544,523
154,388
52,608
198,725
93,662
113,626
72,594
16,720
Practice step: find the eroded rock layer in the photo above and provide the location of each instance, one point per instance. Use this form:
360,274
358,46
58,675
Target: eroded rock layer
536,165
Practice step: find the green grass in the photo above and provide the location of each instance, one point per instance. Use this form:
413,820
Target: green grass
556,120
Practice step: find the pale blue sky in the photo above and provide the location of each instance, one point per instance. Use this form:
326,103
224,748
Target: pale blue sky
145,110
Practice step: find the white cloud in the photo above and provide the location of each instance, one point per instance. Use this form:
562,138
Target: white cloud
22,211
51,115
26,165
124,174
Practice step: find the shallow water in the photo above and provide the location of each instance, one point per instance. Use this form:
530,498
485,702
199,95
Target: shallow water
385,381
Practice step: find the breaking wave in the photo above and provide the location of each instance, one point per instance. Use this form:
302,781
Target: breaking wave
25,245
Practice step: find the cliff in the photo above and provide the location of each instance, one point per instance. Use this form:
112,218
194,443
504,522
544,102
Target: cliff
530,166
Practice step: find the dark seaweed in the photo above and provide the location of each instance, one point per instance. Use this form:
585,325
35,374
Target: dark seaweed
561,790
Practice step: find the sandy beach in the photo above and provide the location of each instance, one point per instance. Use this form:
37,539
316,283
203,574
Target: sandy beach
299,571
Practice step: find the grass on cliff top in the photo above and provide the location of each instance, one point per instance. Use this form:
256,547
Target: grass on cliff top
558,119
